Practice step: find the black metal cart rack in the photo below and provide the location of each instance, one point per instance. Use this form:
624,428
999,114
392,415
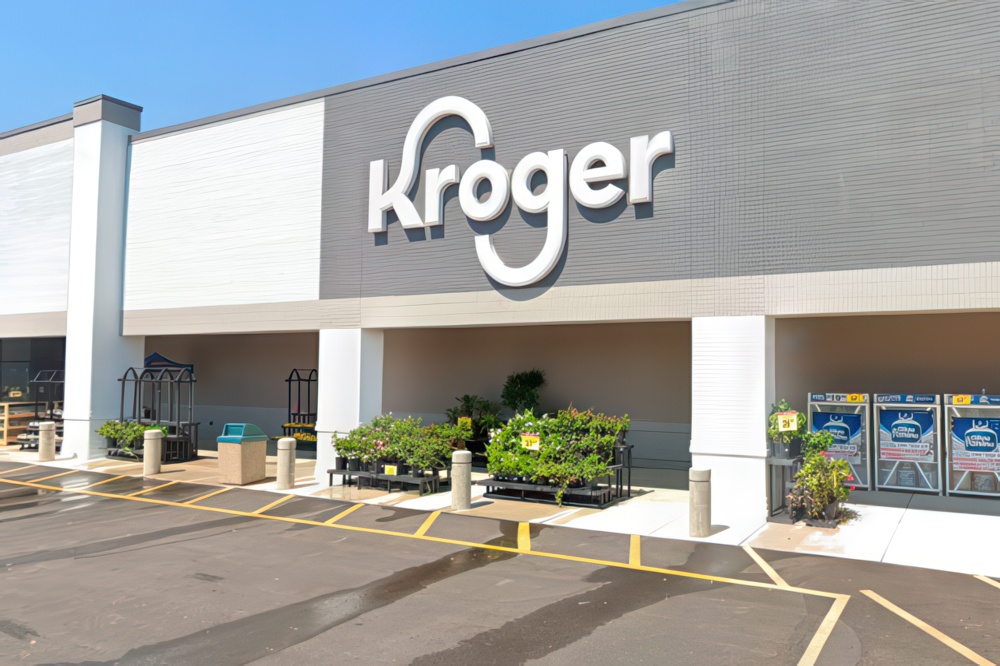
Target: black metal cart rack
302,395
48,389
162,396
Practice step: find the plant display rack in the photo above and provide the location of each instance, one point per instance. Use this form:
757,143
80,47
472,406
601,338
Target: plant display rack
50,384
163,396
425,484
14,419
596,494
302,410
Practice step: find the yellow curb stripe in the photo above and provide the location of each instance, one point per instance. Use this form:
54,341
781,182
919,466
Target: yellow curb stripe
427,524
634,556
765,567
17,469
987,580
114,478
524,537
53,476
272,505
149,490
815,646
205,496
928,629
452,542
343,513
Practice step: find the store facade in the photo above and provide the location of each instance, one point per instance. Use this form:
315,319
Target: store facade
674,214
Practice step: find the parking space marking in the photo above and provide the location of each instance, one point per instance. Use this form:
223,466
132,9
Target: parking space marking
113,478
343,513
988,580
17,469
928,629
53,476
765,567
271,505
206,496
815,646
634,556
524,537
149,490
427,524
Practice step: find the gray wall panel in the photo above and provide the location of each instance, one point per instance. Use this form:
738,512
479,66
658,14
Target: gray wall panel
810,136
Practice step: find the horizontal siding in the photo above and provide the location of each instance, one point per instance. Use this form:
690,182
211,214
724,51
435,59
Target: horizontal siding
812,137
36,199
228,214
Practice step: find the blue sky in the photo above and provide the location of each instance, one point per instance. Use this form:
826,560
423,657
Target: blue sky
184,60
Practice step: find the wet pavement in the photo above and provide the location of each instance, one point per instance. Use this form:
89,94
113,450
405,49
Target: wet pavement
98,570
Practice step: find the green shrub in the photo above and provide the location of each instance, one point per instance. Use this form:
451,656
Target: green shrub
521,390
485,414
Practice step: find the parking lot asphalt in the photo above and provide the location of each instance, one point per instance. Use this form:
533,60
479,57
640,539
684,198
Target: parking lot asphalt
99,569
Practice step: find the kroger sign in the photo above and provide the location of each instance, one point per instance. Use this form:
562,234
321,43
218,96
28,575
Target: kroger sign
589,178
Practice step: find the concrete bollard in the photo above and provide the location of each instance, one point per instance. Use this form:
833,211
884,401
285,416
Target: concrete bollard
461,480
286,463
152,452
700,510
46,441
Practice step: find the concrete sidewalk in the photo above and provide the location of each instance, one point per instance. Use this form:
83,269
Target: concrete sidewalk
900,529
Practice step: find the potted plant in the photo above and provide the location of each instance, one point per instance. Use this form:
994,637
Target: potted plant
785,444
483,415
820,487
521,390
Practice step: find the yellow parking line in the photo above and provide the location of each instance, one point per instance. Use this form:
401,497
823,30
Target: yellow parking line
987,580
17,469
427,524
524,537
206,496
272,505
149,490
453,542
46,478
634,556
825,629
762,563
114,478
343,513
928,629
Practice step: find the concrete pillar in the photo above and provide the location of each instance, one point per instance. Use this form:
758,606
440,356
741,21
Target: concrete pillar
286,463
732,389
46,441
349,387
700,502
96,352
461,480
152,452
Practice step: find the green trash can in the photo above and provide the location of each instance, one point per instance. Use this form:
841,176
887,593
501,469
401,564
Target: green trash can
242,454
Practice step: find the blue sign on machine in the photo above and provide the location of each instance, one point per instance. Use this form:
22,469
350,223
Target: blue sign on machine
908,442
846,431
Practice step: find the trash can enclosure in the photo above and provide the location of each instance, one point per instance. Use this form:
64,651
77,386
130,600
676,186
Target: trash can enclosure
242,453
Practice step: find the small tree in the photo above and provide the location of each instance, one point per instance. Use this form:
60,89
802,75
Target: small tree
521,390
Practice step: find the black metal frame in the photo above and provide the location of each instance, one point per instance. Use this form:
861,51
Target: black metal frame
55,382
181,441
302,384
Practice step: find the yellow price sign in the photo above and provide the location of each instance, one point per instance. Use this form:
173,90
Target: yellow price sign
962,399
530,442
788,421
390,470
855,397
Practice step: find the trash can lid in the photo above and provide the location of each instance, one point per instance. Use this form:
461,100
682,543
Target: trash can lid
234,433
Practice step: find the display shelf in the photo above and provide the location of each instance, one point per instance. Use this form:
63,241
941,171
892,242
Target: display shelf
14,419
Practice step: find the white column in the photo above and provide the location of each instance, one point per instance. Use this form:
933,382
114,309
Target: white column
350,387
732,389
96,352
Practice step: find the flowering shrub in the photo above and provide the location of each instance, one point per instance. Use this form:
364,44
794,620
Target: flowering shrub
574,448
388,439
821,481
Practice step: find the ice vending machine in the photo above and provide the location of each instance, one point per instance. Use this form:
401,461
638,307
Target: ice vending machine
845,416
973,429
908,442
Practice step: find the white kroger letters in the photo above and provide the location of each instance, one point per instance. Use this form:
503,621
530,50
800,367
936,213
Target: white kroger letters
583,173
584,179
553,200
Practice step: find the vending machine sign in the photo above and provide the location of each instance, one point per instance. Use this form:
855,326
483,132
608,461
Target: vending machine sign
906,435
908,442
974,445
846,431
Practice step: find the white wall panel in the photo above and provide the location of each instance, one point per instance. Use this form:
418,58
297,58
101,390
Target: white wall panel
228,214
36,197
